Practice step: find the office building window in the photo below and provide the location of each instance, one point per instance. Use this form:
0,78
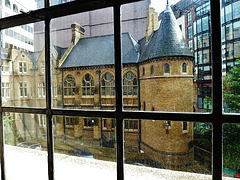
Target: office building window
189,18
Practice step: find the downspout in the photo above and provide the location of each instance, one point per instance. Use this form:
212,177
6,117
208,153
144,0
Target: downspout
64,126
35,100
100,99
139,108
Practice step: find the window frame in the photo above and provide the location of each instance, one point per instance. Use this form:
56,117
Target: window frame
217,117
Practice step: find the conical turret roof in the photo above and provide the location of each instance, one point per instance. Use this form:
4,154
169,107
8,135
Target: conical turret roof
167,40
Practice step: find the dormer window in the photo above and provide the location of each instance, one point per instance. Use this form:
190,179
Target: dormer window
22,67
166,68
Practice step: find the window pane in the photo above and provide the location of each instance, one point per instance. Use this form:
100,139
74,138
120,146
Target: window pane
231,133
90,143
11,8
179,146
25,146
22,68
76,40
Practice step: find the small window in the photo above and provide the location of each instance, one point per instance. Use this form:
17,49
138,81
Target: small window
166,68
131,124
88,122
184,68
143,73
185,126
7,4
152,70
15,8
69,121
22,67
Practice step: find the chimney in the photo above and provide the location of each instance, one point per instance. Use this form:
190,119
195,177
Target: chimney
11,51
77,32
152,22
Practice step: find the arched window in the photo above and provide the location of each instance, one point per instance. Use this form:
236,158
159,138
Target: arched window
184,68
130,84
87,85
108,85
7,4
69,86
166,68
152,70
15,8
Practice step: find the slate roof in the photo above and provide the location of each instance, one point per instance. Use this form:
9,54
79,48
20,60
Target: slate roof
99,51
167,41
34,56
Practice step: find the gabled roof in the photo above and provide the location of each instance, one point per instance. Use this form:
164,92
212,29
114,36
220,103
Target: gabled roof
99,51
167,40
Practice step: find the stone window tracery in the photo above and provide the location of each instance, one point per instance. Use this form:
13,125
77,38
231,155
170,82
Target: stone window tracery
130,84
69,86
87,85
108,85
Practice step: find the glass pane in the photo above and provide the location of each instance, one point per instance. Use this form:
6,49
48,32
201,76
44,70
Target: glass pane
158,70
83,49
11,8
230,57
174,145
56,2
84,146
231,150
22,67
25,146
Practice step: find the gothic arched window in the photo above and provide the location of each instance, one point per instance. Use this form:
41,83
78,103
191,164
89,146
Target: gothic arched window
184,68
108,85
166,68
87,85
130,84
69,86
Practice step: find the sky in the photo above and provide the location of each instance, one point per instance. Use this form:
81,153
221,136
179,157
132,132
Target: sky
160,5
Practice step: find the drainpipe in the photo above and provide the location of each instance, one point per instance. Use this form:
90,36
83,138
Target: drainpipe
35,99
139,108
100,99
64,127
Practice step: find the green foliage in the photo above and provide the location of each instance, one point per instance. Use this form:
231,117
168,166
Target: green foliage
231,90
10,133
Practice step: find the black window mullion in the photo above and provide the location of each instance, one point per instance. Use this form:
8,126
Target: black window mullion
2,154
217,89
48,68
119,101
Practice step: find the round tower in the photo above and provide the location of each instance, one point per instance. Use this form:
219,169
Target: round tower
166,84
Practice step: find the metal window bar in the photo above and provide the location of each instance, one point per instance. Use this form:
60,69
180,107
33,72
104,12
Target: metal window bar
47,13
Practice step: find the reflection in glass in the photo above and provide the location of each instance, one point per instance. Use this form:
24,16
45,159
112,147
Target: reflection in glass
231,158
184,146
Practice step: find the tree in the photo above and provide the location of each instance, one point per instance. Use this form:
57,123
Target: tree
231,132
231,89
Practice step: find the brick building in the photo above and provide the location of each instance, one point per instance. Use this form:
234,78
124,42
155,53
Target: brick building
157,76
